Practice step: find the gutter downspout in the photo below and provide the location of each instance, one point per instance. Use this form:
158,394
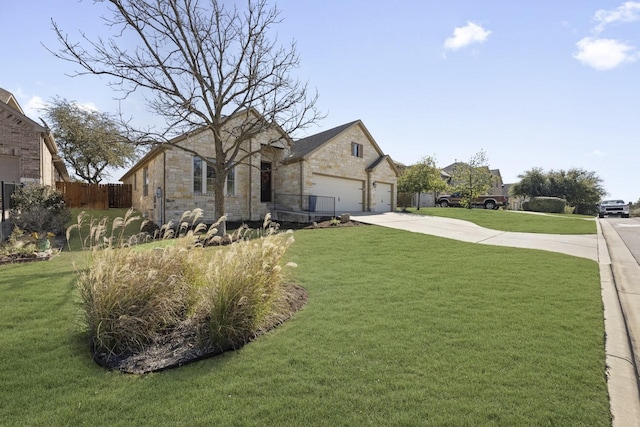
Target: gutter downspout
368,192
301,184
164,188
250,185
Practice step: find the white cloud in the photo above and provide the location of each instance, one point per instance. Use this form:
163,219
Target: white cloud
597,153
464,36
604,54
89,107
33,108
626,12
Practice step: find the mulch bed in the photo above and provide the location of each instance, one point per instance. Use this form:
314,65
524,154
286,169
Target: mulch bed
22,258
181,346
297,225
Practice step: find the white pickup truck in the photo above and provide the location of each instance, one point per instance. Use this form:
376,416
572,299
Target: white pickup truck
613,207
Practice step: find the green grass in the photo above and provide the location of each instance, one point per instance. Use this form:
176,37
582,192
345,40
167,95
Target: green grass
400,329
517,221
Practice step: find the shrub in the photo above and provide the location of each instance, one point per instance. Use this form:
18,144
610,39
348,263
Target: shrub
131,296
545,204
405,200
39,209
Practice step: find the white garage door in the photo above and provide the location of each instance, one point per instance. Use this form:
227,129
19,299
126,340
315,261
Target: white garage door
347,192
382,198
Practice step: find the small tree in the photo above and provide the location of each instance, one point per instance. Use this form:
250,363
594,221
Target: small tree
473,178
421,177
580,188
89,141
533,183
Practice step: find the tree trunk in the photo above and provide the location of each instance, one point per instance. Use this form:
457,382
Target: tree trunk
218,192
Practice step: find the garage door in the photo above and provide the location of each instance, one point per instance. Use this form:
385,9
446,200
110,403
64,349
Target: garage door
347,192
382,198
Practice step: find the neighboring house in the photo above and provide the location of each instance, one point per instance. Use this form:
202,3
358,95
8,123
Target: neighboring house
497,184
515,202
284,177
28,151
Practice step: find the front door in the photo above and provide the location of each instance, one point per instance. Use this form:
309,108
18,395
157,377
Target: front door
265,182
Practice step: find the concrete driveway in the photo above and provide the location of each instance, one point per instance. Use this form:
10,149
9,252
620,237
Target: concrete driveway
620,288
584,246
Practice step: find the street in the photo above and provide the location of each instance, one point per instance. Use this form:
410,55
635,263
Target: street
629,231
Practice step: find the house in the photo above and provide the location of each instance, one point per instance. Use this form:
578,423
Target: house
343,167
344,163
496,177
28,151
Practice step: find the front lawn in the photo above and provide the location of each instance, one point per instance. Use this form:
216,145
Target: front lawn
517,221
400,329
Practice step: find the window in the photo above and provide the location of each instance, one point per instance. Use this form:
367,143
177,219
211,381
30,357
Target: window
210,174
356,149
204,177
135,181
145,181
231,182
197,174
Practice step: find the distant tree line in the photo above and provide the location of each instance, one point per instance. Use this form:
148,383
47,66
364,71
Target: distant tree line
580,188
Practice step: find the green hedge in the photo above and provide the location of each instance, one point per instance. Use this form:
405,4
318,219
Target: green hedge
545,204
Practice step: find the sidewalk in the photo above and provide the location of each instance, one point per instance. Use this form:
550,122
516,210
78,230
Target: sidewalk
620,287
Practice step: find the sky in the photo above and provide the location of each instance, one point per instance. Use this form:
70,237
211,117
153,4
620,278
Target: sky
553,84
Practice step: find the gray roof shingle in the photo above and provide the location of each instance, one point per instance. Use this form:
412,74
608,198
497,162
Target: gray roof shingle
304,146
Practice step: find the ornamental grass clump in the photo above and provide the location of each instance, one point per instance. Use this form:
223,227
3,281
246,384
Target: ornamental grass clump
130,297
244,293
212,299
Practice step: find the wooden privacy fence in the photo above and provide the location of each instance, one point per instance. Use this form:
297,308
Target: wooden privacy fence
95,196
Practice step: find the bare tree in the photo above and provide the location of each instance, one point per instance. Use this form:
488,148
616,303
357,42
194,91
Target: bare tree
200,64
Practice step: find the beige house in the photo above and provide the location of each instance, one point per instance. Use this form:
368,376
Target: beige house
344,164
336,171
28,151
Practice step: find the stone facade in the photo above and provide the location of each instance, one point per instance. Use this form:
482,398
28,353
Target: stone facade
335,158
170,175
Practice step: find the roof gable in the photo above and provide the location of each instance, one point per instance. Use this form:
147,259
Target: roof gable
7,97
302,148
176,141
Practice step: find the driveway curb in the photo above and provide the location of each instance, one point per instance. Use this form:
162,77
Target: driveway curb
617,267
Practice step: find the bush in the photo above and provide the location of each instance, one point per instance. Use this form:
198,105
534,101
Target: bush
405,200
39,209
545,204
226,295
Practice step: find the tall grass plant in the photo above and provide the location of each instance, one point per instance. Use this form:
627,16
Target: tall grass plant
132,297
